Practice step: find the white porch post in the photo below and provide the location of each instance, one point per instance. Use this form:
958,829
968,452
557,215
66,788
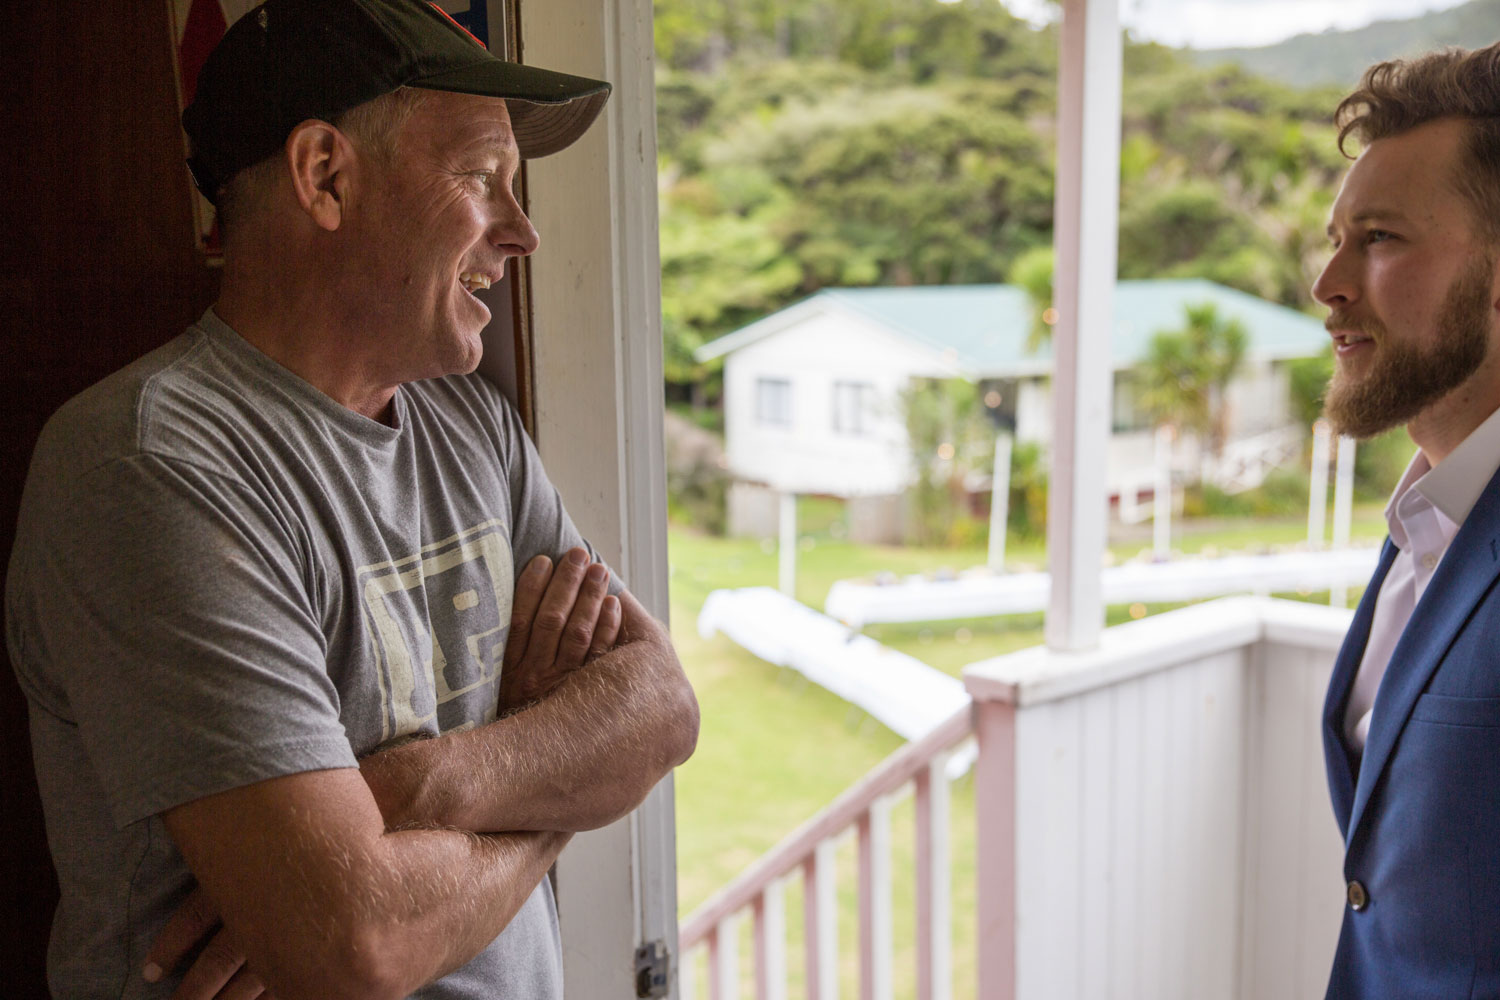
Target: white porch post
1161,498
1343,510
596,303
999,501
1085,234
1317,491
786,548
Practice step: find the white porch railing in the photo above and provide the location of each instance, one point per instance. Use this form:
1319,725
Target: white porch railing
1152,823
865,808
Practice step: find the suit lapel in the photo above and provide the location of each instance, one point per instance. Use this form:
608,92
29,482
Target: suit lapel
1466,573
1336,758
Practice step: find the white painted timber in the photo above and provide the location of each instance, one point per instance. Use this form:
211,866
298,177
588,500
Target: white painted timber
1161,494
815,345
875,852
595,297
1096,862
1171,928
786,548
1293,856
980,592
1317,495
1343,508
1174,838
687,979
939,880
727,954
900,691
1085,236
771,976
825,963
999,502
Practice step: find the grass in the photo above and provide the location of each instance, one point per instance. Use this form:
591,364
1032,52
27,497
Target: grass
775,749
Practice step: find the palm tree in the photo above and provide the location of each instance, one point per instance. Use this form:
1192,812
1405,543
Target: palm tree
1187,372
1032,271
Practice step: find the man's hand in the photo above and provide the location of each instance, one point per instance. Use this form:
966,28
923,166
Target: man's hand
219,972
561,618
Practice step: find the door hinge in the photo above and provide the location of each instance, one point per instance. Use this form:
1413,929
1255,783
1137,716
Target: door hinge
653,965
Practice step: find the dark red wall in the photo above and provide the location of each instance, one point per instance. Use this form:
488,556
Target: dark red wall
97,266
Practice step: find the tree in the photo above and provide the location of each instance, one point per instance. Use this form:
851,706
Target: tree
1032,272
1307,382
1186,372
952,442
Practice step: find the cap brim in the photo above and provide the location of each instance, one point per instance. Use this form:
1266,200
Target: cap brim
548,110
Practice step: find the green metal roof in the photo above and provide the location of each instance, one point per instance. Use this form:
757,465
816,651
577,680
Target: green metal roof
985,325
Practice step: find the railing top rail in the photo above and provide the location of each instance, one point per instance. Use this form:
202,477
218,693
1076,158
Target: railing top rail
895,771
1037,675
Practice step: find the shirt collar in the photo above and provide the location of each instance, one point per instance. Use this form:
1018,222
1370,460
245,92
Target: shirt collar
1416,470
1455,484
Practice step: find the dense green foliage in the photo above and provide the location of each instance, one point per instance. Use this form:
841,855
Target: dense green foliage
952,445
897,142
1186,372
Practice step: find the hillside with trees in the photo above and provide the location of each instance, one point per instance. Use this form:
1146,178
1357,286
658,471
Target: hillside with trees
1339,57
903,142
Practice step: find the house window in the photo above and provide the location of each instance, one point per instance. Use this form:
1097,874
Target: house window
1128,415
773,402
851,407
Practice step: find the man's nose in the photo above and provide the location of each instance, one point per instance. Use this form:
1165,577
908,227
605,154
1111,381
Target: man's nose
1336,284
513,231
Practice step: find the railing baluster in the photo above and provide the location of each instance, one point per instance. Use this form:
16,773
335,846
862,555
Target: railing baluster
875,902
770,943
687,982
726,953
820,923
811,847
810,925
934,909
713,965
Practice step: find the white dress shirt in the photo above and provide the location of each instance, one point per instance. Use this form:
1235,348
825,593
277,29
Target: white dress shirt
1424,513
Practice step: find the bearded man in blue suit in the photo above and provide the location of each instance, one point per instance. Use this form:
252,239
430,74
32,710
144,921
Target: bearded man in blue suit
1411,725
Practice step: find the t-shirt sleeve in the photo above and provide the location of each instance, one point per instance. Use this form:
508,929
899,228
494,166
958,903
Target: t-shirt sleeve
540,525
172,603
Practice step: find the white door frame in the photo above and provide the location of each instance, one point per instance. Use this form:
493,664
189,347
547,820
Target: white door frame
596,337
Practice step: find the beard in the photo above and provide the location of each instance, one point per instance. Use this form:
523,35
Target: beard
1405,378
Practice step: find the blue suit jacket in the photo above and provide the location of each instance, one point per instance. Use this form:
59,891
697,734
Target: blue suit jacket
1421,814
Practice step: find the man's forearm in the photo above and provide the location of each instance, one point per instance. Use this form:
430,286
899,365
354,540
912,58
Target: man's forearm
448,895
583,756
326,903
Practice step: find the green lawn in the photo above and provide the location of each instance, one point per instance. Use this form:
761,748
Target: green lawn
774,749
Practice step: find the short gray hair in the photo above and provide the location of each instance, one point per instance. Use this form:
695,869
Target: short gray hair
375,126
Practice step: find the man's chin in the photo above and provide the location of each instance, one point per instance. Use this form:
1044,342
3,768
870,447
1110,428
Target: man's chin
1357,409
469,351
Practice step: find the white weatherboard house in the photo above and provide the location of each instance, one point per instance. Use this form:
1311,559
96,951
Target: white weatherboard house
812,392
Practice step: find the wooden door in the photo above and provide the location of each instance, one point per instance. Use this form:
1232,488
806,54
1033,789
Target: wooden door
99,265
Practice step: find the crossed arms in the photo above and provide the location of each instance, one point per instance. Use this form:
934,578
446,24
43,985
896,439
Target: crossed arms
369,883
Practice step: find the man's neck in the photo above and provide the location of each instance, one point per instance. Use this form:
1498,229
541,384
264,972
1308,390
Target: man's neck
1443,426
306,334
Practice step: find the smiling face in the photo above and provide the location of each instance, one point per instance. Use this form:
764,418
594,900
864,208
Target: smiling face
1411,289
437,225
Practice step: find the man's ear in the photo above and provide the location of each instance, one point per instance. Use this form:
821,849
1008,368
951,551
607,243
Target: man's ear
321,161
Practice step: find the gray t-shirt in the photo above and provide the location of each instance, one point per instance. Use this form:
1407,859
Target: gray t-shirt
222,576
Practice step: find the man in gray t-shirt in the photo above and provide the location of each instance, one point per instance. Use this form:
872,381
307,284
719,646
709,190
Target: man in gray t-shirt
309,642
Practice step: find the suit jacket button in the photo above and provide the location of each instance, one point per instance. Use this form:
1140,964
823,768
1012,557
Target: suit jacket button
1358,898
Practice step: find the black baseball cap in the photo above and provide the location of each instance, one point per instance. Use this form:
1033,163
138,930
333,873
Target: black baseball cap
290,60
